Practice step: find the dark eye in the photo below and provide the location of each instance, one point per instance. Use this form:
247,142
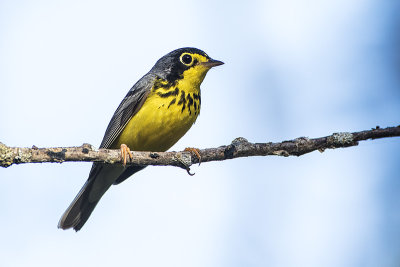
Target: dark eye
186,59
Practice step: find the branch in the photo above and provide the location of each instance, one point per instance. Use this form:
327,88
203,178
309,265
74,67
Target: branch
239,147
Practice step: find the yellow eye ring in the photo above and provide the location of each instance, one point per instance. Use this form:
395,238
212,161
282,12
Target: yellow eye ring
186,59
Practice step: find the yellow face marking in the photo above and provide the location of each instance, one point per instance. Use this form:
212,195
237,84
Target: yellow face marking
194,76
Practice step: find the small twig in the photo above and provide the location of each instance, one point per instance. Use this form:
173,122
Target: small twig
239,147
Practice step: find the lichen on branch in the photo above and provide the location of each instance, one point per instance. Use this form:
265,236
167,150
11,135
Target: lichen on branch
239,147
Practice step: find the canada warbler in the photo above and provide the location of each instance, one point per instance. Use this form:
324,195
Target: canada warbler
156,112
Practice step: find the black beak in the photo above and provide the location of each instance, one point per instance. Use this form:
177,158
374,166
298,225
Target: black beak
212,63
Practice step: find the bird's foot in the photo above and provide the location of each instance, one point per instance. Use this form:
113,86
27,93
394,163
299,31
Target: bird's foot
194,151
125,153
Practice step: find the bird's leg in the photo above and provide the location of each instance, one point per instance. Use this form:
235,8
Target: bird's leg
125,153
194,151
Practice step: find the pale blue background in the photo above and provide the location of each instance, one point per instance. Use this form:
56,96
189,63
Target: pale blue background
293,68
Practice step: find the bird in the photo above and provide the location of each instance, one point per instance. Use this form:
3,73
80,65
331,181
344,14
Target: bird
155,113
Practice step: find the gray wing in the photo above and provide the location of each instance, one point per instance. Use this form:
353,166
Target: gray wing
129,106
102,176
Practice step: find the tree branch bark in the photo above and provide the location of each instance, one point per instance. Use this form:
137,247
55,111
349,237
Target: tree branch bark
239,147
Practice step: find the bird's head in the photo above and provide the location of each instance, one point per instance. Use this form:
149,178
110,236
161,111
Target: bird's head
189,64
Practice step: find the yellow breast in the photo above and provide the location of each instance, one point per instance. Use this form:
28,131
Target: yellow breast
166,115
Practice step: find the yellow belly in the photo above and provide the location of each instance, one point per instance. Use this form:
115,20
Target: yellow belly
158,124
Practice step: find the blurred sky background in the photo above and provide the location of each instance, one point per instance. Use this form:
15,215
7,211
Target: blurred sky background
292,68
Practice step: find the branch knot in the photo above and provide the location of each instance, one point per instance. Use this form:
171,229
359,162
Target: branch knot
238,144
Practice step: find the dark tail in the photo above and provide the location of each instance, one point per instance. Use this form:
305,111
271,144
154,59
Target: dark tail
79,211
100,179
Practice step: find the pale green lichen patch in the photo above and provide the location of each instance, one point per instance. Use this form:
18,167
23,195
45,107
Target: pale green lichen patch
6,156
10,155
25,155
342,139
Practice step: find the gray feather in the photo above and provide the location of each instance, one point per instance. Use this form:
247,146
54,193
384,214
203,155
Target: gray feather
102,176
129,106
